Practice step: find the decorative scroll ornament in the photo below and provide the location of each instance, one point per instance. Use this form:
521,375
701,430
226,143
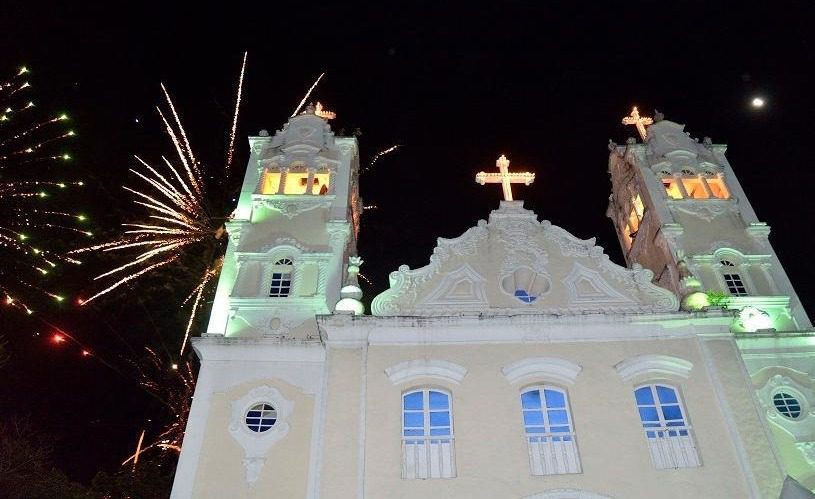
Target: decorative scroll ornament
257,444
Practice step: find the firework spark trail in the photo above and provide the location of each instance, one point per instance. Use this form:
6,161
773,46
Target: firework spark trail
231,148
208,276
26,138
379,155
176,199
176,210
297,109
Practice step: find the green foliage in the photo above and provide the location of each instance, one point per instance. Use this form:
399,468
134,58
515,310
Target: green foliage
152,479
718,300
25,466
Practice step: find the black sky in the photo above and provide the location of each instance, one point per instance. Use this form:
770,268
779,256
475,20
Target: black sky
456,83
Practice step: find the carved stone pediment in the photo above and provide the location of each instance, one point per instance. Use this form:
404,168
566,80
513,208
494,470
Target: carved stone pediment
290,205
514,264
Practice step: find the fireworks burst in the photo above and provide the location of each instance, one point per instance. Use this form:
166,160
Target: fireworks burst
30,145
181,218
174,388
378,156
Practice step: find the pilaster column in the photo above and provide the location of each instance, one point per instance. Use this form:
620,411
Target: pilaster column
765,270
281,189
707,187
310,182
332,177
681,186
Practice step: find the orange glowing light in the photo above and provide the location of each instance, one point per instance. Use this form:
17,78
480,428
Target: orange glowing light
324,113
505,177
85,353
638,121
58,338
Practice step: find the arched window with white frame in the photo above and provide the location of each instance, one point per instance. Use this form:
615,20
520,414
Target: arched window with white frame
665,423
281,285
549,431
732,278
427,434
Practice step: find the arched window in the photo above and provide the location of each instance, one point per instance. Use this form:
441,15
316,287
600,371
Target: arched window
427,435
732,279
666,428
549,431
281,278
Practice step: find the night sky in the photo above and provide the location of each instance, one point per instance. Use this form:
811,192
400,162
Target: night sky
455,84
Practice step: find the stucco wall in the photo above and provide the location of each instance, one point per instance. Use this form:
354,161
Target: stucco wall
491,452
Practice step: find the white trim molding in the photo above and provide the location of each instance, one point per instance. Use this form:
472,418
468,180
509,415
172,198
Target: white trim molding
542,369
425,368
652,365
567,494
257,444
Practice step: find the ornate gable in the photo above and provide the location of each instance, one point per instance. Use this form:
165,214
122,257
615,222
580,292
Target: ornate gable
514,264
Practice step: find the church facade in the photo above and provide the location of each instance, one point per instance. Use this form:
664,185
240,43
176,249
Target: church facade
520,362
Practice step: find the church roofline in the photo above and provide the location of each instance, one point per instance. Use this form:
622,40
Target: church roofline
473,328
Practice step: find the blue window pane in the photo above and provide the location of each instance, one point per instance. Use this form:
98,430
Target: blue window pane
560,429
252,421
414,433
414,420
439,400
650,425
554,399
413,400
439,419
439,431
675,423
535,429
683,433
567,438
650,434
648,414
558,417
644,396
531,399
253,414
672,412
525,297
533,418
666,395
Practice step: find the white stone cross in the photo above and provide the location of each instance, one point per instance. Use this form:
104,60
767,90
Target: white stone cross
505,177
640,122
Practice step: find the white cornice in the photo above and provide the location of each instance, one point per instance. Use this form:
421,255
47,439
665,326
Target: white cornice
218,348
542,368
653,365
426,368
355,331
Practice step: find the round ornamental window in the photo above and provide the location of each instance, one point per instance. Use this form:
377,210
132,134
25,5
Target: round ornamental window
787,405
261,417
525,285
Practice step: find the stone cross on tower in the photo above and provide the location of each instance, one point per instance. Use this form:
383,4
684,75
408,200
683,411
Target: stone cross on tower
505,177
640,122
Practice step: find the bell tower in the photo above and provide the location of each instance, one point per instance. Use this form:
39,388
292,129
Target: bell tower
293,229
292,240
680,211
